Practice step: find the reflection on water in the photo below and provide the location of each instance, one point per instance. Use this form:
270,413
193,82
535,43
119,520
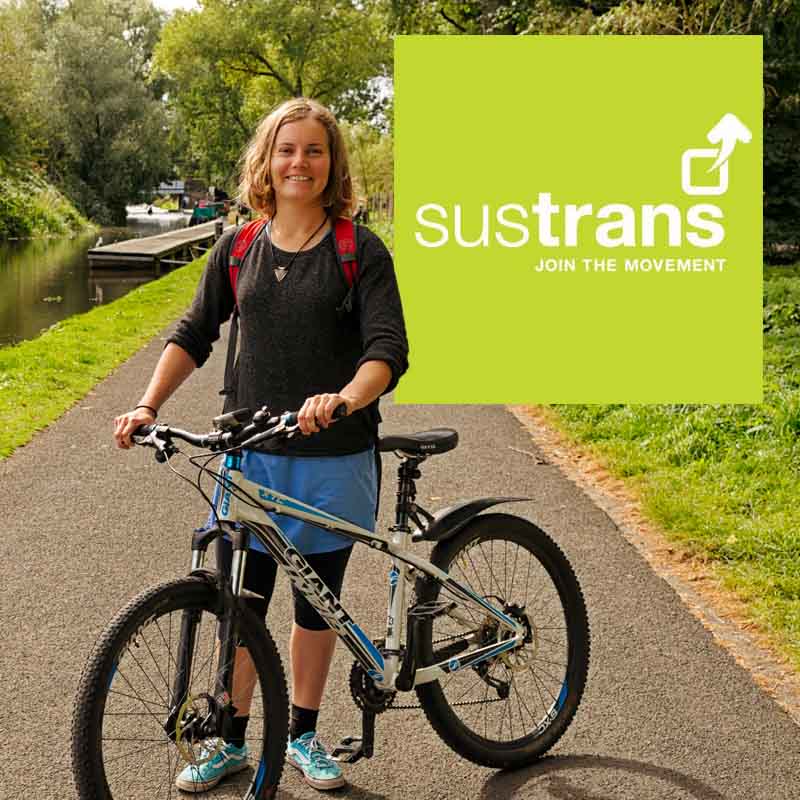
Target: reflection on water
45,281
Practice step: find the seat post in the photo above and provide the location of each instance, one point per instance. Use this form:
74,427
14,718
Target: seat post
407,472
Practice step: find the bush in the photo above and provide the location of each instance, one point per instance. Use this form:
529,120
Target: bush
29,207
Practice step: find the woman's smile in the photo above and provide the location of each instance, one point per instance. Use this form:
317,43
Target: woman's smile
301,162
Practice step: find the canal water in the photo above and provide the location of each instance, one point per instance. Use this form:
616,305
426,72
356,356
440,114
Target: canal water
44,281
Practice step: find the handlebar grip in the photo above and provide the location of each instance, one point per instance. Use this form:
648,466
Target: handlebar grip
143,430
339,412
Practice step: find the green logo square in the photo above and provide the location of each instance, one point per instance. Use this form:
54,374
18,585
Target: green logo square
578,219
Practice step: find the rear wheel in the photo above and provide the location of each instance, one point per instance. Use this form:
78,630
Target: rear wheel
125,743
510,709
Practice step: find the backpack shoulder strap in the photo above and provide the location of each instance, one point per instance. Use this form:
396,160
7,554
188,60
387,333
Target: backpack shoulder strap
242,241
344,230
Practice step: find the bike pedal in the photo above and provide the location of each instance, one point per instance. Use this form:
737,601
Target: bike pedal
348,751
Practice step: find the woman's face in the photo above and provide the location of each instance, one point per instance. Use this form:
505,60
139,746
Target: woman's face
301,163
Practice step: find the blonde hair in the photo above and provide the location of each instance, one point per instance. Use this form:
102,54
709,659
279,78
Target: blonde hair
255,187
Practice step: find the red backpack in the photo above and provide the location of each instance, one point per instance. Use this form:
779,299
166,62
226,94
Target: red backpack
344,231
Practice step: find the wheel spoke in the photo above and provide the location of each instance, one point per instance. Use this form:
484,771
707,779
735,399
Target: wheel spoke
133,712
509,571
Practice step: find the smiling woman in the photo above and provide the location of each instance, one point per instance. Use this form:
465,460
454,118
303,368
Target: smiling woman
301,345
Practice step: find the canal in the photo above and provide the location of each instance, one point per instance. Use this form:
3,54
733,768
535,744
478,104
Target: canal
44,281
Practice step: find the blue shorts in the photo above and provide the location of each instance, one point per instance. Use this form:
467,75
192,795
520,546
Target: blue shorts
346,486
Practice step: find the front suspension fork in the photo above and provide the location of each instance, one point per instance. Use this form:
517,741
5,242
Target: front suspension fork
227,637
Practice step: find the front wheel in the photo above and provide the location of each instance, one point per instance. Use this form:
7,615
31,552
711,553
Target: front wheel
509,710
132,736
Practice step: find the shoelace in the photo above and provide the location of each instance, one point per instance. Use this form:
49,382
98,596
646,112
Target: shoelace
318,754
209,746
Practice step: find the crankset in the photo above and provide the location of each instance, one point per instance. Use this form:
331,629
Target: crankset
372,701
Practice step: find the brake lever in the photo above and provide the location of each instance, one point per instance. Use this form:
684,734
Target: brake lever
148,439
164,448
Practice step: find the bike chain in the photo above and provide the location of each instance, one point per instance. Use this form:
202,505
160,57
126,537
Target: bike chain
408,706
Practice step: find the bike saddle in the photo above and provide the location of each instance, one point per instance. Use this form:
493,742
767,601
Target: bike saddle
425,443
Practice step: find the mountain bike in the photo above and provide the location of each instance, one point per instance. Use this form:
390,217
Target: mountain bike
491,632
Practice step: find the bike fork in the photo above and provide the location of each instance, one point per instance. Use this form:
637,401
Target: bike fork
227,637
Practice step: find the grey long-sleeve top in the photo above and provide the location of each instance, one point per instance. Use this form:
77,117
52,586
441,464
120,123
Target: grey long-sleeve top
293,342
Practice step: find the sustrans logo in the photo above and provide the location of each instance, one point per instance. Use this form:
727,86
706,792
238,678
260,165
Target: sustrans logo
613,224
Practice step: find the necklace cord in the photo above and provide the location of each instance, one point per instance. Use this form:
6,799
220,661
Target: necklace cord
280,272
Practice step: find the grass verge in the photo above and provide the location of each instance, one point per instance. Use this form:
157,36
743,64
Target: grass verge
722,481
41,378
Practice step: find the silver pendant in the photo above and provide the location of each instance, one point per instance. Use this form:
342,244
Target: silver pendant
280,273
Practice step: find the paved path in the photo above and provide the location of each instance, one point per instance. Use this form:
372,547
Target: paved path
667,713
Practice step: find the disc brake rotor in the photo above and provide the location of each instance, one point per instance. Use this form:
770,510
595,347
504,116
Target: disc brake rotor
191,715
519,658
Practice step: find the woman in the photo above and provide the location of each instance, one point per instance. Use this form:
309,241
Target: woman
298,348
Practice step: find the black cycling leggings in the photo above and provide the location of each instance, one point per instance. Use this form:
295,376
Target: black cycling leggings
259,577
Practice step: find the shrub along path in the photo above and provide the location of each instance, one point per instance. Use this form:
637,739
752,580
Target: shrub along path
667,712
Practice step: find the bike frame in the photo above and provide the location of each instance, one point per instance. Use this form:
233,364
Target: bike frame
382,667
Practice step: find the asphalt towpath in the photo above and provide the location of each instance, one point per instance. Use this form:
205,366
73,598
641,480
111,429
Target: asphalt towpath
667,714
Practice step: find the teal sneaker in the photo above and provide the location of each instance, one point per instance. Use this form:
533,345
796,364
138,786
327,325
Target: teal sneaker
205,776
307,754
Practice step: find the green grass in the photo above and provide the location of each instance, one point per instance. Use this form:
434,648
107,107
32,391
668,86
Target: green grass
724,481
41,378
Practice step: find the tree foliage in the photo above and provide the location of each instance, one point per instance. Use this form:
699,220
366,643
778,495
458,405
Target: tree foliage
21,100
76,100
233,60
112,142
371,162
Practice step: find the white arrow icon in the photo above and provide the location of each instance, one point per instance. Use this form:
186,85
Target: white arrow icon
729,130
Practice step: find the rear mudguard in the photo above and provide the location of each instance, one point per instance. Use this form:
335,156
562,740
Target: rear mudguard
449,521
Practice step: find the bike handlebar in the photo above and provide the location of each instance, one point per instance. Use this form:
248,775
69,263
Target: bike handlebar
262,426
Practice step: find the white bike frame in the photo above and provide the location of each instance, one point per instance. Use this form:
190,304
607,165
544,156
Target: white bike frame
230,508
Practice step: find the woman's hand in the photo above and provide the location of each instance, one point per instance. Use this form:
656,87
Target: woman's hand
317,411
126,424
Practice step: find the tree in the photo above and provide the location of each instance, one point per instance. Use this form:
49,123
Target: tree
22,105
233,60
371,159
111,142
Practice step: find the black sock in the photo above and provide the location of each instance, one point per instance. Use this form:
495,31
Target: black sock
303,721
238,728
